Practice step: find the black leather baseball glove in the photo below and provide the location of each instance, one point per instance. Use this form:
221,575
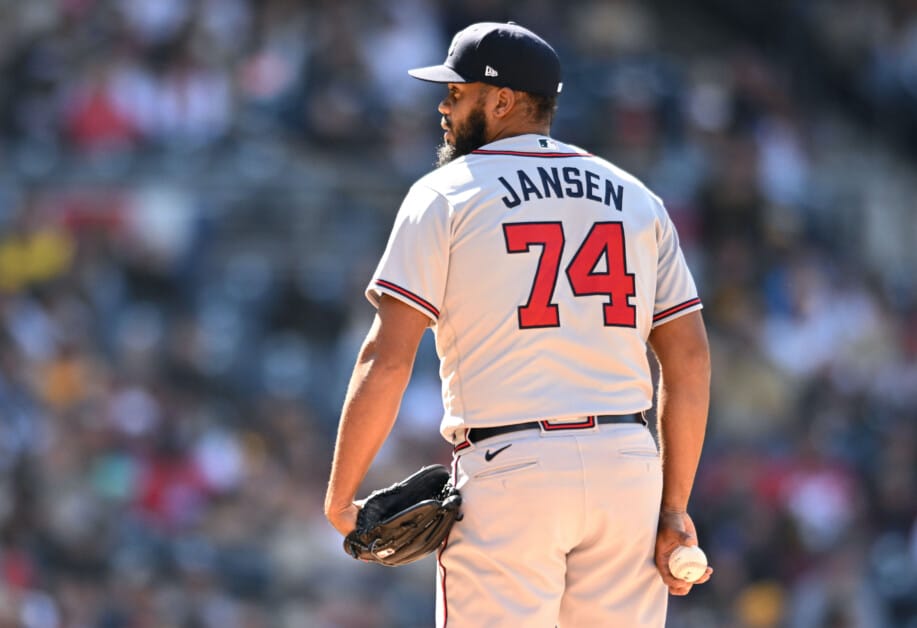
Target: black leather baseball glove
406,521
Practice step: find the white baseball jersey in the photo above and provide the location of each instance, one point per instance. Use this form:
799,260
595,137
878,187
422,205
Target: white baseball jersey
543,269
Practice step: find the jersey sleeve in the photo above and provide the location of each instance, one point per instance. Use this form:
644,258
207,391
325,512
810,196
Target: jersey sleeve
676,293
415,262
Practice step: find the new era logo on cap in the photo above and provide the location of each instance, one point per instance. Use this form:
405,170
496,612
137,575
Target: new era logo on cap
526,61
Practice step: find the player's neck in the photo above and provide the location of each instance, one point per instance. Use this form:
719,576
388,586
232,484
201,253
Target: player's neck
512,130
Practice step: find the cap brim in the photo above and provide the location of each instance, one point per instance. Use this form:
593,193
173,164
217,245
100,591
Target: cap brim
437,74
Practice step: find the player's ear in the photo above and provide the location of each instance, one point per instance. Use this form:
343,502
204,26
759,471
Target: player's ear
503,101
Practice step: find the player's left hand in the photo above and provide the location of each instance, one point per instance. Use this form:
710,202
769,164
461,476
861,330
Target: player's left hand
343,519
675,528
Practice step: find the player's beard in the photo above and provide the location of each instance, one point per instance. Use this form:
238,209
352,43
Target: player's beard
469,136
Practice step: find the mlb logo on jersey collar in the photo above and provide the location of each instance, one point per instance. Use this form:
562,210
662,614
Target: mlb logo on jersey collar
545,143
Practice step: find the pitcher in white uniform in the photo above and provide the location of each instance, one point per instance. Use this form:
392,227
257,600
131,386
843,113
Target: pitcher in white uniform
544,273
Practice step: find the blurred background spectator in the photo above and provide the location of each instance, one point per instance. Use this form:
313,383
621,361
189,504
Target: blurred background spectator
194,193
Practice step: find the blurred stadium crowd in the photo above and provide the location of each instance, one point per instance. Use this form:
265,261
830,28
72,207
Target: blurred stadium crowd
193,194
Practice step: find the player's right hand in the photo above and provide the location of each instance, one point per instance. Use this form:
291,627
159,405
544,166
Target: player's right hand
675,528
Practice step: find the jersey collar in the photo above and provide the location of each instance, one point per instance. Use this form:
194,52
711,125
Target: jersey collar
529,145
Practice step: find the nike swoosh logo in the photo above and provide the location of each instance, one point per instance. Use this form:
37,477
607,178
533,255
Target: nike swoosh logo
489,455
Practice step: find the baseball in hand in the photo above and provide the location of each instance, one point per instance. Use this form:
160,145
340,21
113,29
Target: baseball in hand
688,562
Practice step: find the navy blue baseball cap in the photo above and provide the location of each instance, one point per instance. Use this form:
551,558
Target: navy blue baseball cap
505,55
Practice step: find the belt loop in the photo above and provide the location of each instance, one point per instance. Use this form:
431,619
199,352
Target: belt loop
589,423
464,445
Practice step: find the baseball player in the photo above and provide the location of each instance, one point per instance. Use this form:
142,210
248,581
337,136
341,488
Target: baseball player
544,272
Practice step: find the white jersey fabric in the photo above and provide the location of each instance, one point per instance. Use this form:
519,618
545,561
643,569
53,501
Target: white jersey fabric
543,269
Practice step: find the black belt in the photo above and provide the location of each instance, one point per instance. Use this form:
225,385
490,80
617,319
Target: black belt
477,434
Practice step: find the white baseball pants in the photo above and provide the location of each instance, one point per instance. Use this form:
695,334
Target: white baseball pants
559,530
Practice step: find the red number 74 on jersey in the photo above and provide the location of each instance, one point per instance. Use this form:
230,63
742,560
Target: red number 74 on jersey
604,239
